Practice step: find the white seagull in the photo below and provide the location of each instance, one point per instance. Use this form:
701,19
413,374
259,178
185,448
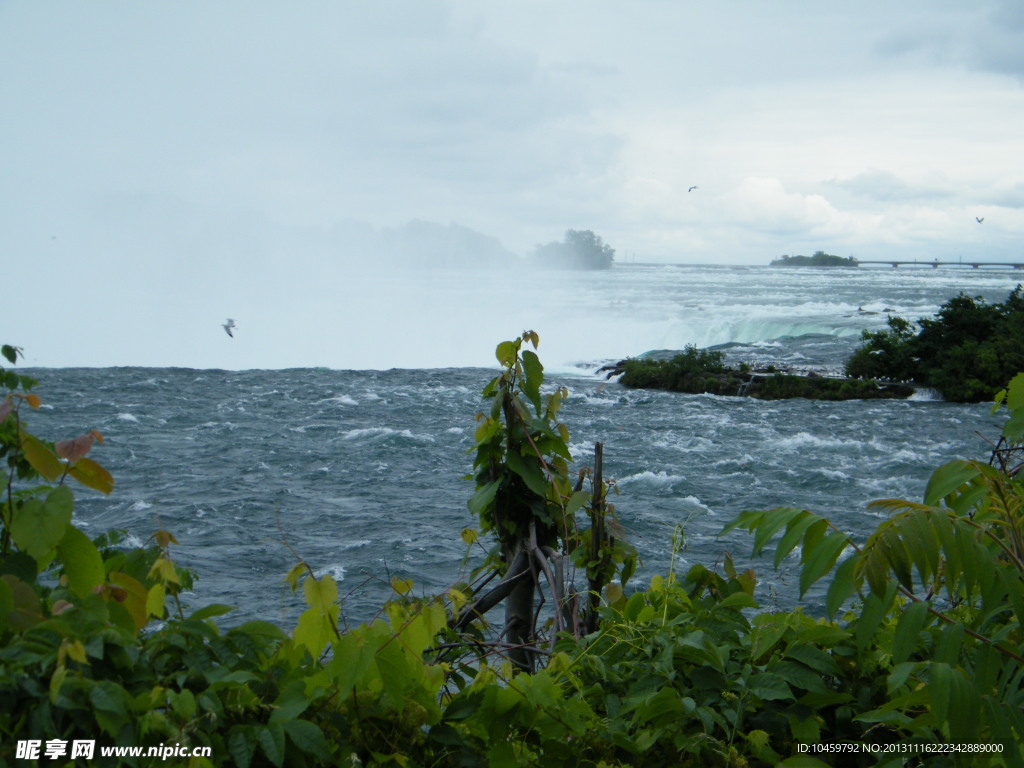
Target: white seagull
228,326
979,220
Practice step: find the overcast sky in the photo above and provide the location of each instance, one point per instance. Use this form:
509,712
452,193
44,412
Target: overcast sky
148,149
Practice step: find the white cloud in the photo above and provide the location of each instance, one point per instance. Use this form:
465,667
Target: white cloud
765,205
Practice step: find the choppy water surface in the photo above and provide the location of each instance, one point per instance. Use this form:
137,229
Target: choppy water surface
361,472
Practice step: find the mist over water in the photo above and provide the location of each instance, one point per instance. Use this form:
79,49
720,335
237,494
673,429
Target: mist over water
361,471
454,318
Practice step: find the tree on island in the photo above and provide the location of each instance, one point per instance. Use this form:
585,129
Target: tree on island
819,259
967,351
581,249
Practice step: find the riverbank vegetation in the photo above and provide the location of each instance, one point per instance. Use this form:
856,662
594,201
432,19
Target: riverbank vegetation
703,371
966,352
917,655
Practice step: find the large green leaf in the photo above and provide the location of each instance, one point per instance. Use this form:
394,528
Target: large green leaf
949,644
506,352
908,627
842,586
354,654
242,744
534,377
874,609
947,479
769,686
83,565
939,690
1013,430
795,530
307,737
528,468
483,496
819,560
1014,393
922,542
41,523
271,741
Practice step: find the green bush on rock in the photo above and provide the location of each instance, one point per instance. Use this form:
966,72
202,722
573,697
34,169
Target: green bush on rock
967,352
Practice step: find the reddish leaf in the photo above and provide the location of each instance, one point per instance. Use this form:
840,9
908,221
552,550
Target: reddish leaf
76,448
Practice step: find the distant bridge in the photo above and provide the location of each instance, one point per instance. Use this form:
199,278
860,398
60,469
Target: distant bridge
936,264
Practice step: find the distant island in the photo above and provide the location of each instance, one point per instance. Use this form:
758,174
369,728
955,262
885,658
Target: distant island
819,259
580,249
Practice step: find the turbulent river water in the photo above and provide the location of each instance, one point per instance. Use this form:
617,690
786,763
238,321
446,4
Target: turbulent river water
361,472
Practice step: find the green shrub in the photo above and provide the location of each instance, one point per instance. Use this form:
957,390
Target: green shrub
967,352
685,372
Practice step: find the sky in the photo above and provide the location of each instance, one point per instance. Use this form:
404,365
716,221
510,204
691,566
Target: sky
166,165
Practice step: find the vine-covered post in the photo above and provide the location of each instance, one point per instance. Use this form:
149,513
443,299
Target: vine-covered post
525,497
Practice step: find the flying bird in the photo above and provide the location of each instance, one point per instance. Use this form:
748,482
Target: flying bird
228,326
692,188
979,220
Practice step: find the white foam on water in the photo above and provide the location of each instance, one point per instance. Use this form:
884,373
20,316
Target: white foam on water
685,443
595,400
131,541
356,434
382,433
806,440
648,479
834,474
693,501
340,400
336,571
357,544
127,417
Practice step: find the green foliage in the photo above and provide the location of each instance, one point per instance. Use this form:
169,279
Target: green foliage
819,259
581,249
885,354
689,371
1009,451
703,371
937,618
967,352
783,386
